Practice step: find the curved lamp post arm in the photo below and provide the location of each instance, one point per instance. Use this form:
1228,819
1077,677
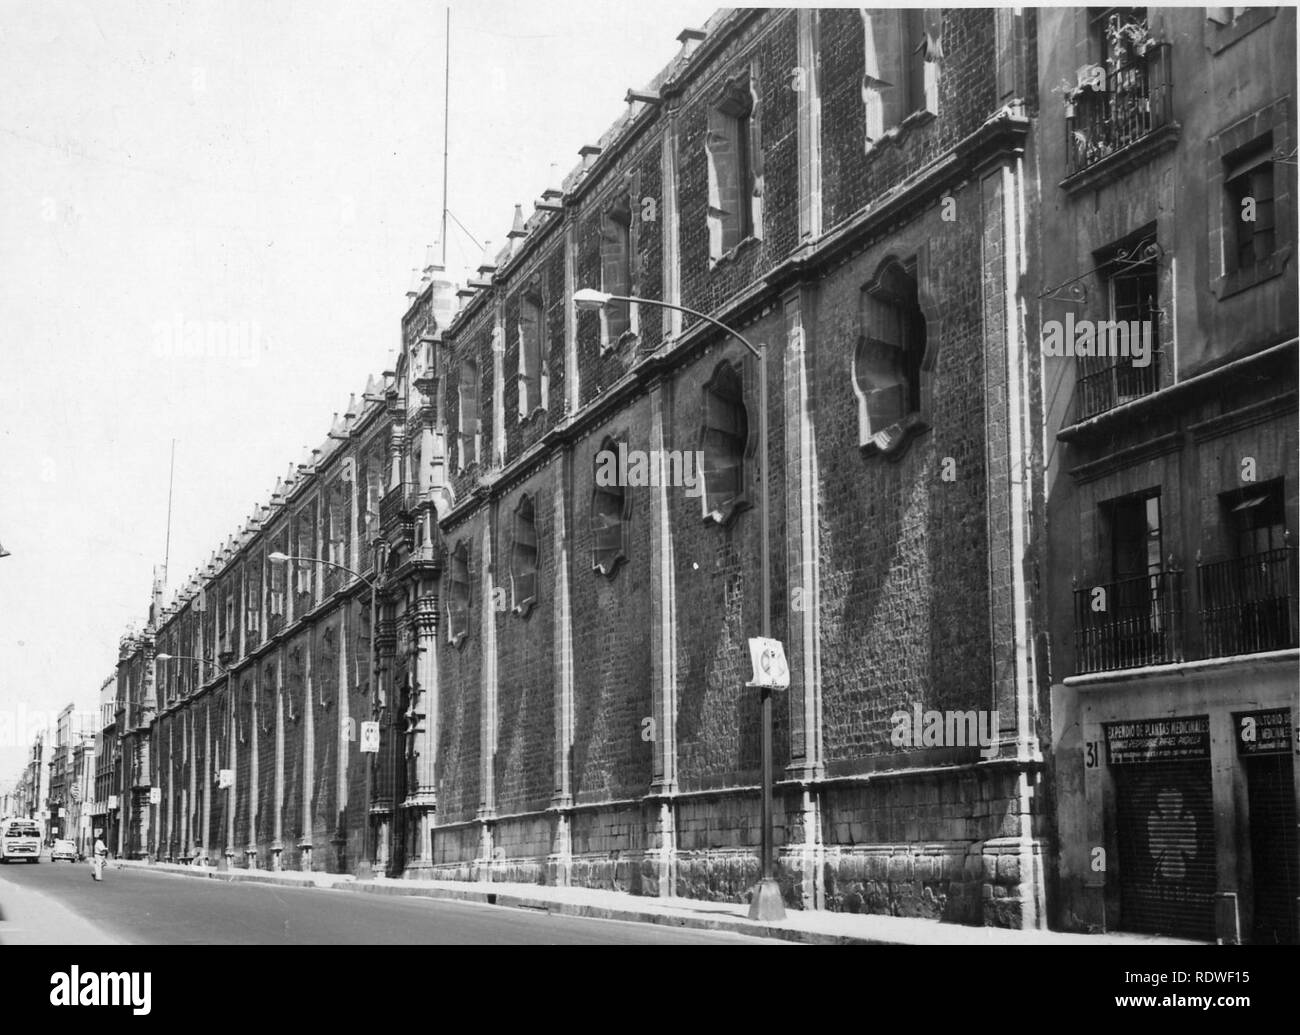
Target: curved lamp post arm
281,558
590,299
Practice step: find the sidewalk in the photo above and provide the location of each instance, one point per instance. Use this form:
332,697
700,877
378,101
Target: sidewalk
29,918
815,927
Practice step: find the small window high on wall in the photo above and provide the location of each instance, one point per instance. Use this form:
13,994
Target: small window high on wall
724,439
903,53
523,557
734,213
532,349
617,318
887,359
610,506
458,595
468,428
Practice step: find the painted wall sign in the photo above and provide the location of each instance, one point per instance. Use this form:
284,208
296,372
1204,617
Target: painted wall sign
1264,732
1157,740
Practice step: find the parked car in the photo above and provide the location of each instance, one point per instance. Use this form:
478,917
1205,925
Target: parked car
63,849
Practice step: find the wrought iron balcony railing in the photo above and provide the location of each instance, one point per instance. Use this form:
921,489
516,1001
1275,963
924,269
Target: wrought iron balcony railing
1129,623
1138,99
1105,383
1248,604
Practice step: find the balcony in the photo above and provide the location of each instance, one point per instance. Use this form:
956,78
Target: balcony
1140,622
397,503
1106,383
1248,604
1137,101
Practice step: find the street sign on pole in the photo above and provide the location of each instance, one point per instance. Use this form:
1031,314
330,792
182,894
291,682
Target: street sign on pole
768,658
370,738
225,778
155,795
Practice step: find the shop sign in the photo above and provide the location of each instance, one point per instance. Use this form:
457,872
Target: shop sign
1158,740
1264,732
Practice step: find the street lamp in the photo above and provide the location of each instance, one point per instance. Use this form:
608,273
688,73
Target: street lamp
364,867
765,902
230,758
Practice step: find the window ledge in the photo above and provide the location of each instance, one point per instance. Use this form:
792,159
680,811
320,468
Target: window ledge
458,640
891,441
725,515
734,254
1219,38
1116,164
607,347
1241,280
893,136
523,609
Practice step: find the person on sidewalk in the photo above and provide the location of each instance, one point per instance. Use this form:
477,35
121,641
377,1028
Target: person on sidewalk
101,853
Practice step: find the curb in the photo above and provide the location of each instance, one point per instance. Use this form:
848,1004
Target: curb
344,882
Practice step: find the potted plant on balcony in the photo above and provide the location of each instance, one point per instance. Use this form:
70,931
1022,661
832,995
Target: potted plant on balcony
1128,41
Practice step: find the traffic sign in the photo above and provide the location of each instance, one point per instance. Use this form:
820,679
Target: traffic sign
370,737
768,658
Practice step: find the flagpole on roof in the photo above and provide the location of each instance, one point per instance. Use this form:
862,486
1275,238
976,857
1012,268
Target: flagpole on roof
446,117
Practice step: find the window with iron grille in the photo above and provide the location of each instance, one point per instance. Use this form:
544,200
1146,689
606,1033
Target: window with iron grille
1130,278
724,440
1249,237
610,509
1248,601
523,556
1133,617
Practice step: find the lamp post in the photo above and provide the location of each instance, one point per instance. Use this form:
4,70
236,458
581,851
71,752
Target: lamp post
765,902
364,867
230,749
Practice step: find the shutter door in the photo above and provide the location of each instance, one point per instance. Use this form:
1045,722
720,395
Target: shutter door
1166,848
1273,848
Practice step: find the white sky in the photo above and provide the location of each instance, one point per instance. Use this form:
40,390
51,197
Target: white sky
270,169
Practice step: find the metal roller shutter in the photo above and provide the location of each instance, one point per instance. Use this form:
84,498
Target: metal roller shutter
1273,848
1167,875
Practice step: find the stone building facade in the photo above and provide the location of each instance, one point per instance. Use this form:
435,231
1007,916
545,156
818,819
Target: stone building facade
1169,199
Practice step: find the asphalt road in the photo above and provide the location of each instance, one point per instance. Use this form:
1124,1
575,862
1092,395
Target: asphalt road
138,907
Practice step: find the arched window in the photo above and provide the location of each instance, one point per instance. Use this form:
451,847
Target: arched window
458,594
610,509
887,360
523,557
617,318
724,437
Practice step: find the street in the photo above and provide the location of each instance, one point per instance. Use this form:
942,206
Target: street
138,907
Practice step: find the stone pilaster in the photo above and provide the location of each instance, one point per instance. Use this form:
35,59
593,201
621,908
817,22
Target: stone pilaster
559,863
381,808
803,850
306,839
277,842
422,793
488,699
659,868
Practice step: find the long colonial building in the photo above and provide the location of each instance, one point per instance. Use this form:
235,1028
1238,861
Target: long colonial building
557,664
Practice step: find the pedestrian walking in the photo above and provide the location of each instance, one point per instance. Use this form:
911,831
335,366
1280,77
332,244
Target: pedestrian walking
97,865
